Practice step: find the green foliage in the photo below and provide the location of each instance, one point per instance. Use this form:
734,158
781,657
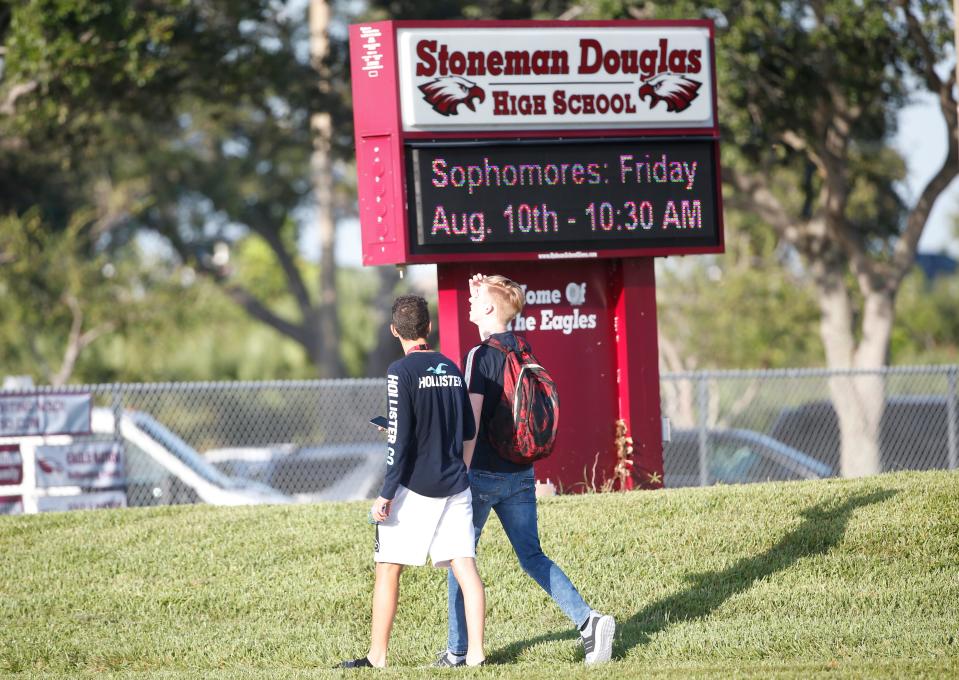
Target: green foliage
199,335
98,60
848,579
927,321
159,322
253,265
360,322
874,207
809,94
447,9
726,317
58,290
206,337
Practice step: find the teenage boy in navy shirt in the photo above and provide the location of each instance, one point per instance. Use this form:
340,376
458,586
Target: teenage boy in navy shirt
425,505
509,488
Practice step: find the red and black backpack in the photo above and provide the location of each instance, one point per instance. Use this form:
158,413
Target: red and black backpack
524,423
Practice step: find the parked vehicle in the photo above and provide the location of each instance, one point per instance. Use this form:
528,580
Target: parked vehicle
734,456
160,468
913,432
331,472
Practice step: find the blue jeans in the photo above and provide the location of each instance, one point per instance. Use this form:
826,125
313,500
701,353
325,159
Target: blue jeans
513,496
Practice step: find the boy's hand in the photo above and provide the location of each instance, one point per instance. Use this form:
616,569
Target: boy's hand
381,509
475,282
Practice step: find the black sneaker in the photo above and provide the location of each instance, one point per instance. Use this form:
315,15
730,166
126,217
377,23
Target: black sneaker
357,663
597,635
447,659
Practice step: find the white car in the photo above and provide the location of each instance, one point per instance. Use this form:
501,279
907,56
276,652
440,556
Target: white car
328,472
734,456
160,469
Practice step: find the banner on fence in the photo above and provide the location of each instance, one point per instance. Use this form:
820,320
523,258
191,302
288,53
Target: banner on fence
83,501
96,465
11,505
11,465
42,414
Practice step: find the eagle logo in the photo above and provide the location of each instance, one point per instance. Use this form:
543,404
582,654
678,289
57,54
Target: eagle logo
49,466
447,93
677,91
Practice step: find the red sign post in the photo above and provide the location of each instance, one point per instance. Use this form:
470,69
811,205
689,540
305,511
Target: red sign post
565,155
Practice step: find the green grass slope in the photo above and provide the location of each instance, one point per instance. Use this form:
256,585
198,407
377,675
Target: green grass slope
833,578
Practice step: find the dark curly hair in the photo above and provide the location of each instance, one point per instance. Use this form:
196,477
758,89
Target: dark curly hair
411,317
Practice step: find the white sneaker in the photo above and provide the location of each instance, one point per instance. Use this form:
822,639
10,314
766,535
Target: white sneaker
598,637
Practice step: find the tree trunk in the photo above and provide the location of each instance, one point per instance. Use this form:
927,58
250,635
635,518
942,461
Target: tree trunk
324,326
77,341
858,399
859,402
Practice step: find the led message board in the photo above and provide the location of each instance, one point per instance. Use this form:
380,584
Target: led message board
562,197
535,140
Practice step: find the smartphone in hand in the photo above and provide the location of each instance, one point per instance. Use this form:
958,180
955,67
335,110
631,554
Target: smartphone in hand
380,421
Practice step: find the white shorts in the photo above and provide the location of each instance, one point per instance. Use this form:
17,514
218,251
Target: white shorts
419,526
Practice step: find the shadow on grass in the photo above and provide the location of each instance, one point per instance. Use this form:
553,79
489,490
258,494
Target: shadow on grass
822,529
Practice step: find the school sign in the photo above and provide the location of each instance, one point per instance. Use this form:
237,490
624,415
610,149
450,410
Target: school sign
566,156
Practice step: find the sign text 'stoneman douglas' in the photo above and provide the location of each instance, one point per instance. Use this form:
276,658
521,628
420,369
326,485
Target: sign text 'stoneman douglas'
556,77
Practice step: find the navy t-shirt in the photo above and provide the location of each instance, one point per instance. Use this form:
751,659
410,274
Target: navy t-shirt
484,375
429,417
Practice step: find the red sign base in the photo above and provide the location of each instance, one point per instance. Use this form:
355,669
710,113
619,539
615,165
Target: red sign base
592,324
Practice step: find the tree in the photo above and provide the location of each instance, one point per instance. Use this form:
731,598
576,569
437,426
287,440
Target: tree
197,118
813,88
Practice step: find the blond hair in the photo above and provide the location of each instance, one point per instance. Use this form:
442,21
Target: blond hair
506,294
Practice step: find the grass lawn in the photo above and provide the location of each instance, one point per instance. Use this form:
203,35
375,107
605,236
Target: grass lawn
837,578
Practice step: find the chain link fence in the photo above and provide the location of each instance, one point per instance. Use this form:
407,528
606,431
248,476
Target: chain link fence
751,426
278,442
223,443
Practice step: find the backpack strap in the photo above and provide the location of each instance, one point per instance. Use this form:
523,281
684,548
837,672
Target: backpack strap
524,349
468,368
495,344
523,346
